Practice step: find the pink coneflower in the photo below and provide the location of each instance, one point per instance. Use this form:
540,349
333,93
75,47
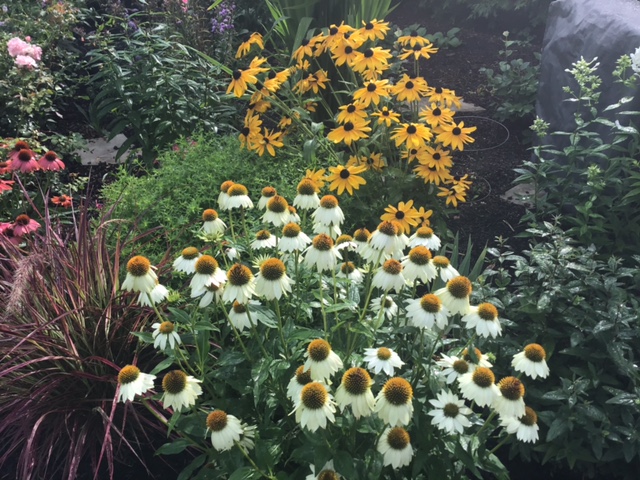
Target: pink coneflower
8,234
24,224
6,185
20,145
51,161
62,201
25,162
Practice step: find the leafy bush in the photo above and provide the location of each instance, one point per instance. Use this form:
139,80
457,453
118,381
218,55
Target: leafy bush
583,309
515,86
592,173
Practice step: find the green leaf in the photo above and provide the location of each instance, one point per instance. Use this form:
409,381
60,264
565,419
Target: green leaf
173,448
166,363
243,473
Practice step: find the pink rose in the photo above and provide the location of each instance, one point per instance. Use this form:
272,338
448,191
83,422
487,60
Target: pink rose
25,61
17,47
34,52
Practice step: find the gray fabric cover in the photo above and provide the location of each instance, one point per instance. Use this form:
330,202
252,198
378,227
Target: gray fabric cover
605,29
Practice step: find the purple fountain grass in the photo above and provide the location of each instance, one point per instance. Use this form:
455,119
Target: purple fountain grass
65,331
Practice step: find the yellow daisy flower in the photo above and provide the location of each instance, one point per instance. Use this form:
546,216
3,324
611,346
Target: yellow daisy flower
404,214
352,112
344,53
431,174
411,154
386,116
269,141
425,215
240,81
437,157
461,184
305,49
372,92
444,97
254,39
436,115
412,40
317,177
452,195
455,135
372,30
375,58
413,134
410,89
346,177
349,132
250,131
418,51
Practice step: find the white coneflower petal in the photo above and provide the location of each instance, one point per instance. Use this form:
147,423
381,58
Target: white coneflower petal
272,281
293,239
355,390
455,296
211,223
225,430
427,311
155,296
186,262
453,367
425,236
395,447
180,390
510,399
444,268
240,284
479,386
133,382
418,265
389,277
140,275
164,333
450,413
525,427
531,361
321,360
315,407
394,402
322,254
382,359
484,318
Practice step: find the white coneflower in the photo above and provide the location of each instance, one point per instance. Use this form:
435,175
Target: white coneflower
133,382
272,281
239,317
389,277
307,197
328,215
180,390
299,380
450,413
395,447
525,427
385,238
444,268
350,271
322,254
186,262
361,238
165,332
240,284
267,194
382,359
207,273
455,296
224,195
531,361
277,212
212,225
478,359
484,318
140,276
326,473
315,406
386,303
401,240
453,367
355,390
264,239
425,236
426,311
212,291
345,243
394,402
225,430
510,399
418,264
238,197
155,296
479,386
293,239
321,360
293,215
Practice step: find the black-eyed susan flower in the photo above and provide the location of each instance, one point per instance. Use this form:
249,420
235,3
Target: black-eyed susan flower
479,386
394,403
344,53
425,236
238,197
456,135
410,89
307,197
272,281
425,216
372,162
140,276
453,367
223,196
277,212
531,361
186,262
346,178
395,447
240,81
382,359
461,184
268,141
435,115
305,49
240,284
484,318
315,406
180,390
525,427
455,296
293,239
300,379
375,58
225,430
413,39
322,253
412,153
414,135
389,277
443,97
336,34
510,399
375,29
431,174
427,311
372,92
355,390
239,315
207,272
418,51
352,112
437,158
254,39
133,382
404,214
452,195
418,265
164,333
450,413
322,361
444,268
349,132
386,117
266,194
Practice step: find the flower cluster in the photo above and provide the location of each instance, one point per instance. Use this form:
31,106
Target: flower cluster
25,54
222,22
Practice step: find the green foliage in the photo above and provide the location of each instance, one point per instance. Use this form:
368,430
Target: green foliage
515,85
596,176
151,87
188,182
583,309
